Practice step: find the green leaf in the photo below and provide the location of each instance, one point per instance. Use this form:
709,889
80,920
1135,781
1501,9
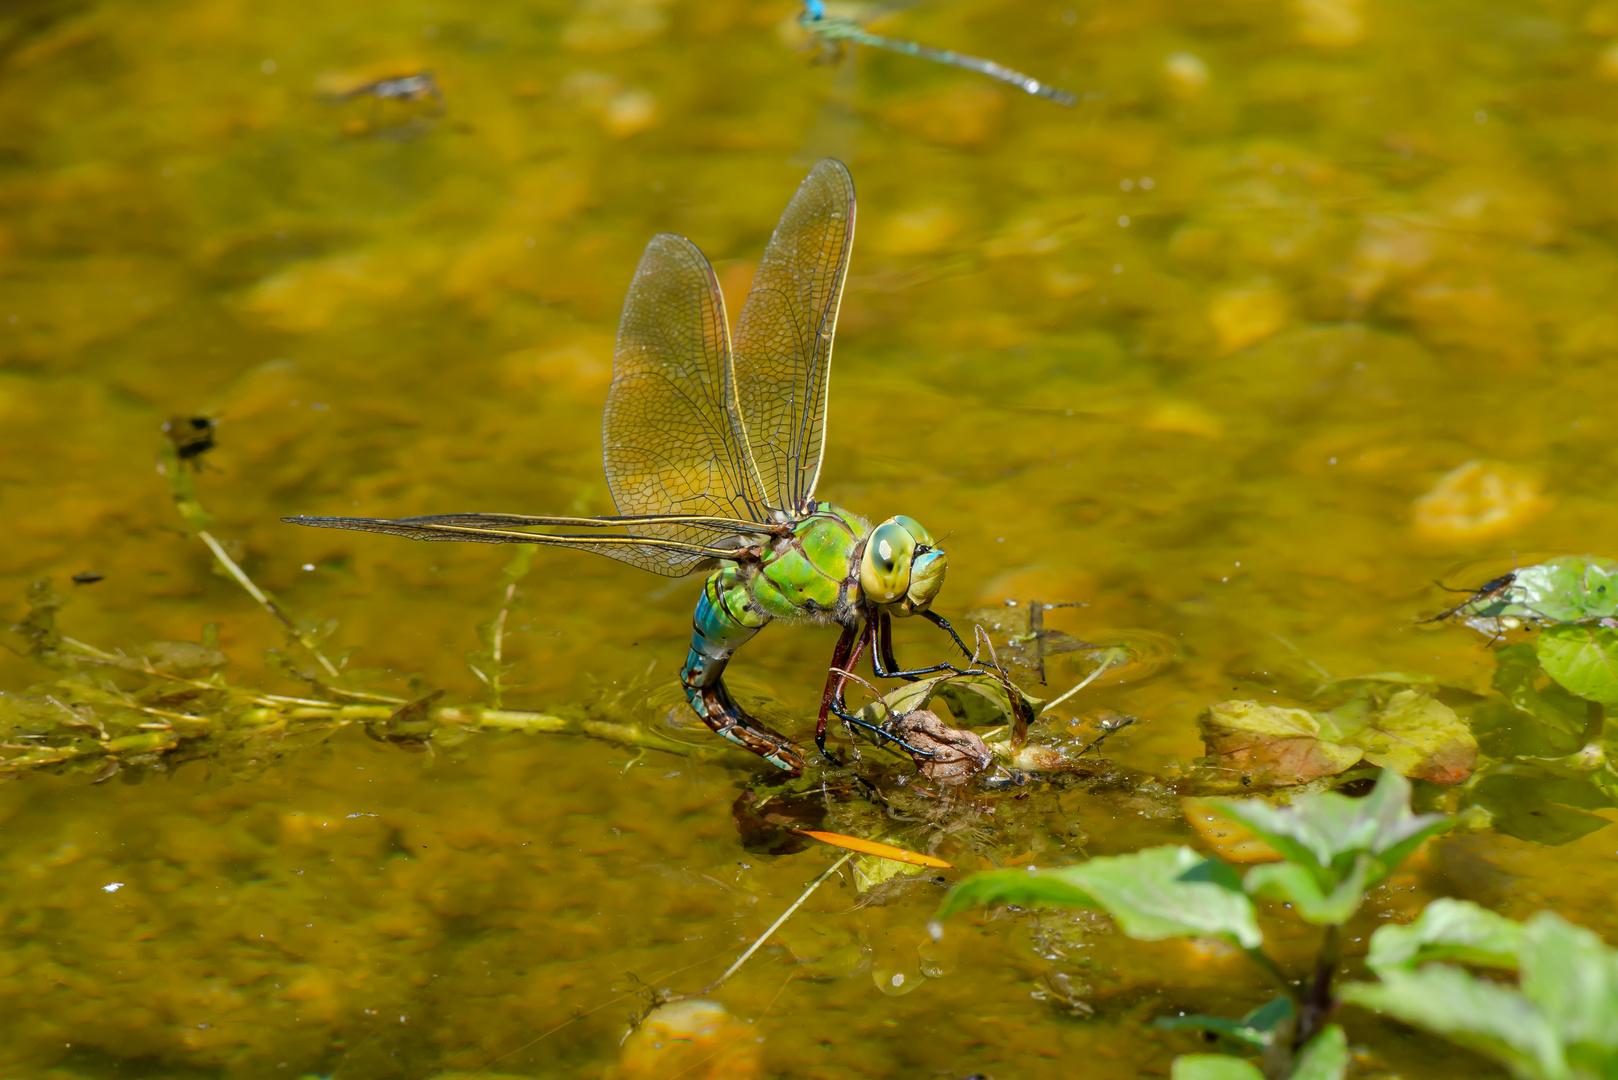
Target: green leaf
1025,888
1521,681
1299,887
1162,892
1324,1057
1573,978
1256,1029
1213,1067
1223,1026
1494,1020
1573,588
1541,809
1413,734
981,700
904,699
1327,832
1583,660
1447,930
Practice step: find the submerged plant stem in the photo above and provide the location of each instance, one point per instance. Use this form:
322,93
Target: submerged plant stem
1108,659
762,938
1317,1005
184,490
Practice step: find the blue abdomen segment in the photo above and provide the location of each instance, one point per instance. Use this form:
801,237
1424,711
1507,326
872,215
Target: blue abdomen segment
724,621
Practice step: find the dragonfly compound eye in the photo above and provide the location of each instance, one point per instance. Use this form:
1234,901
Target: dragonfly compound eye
910,525
926,578
885,566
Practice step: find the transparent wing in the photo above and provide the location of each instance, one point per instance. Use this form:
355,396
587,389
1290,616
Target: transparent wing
784,335
672,437
670,558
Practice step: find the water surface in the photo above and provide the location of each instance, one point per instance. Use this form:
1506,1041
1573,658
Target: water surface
1192,353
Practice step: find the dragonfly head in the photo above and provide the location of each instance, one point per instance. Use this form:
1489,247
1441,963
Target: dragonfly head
902,568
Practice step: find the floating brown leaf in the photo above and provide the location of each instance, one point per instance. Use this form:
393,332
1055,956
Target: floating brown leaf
957,756
1412,734
1272,745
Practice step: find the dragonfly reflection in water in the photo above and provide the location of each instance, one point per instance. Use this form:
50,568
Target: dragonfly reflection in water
712,454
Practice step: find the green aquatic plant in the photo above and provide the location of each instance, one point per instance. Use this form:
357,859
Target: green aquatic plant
1554,628
1557,1023
109,710
1333,849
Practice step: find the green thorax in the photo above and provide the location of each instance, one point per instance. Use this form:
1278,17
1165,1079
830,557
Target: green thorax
814,571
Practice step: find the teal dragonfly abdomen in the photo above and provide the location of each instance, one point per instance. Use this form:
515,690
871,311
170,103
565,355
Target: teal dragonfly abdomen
831,567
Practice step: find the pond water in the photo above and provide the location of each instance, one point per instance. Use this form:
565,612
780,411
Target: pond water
1301,313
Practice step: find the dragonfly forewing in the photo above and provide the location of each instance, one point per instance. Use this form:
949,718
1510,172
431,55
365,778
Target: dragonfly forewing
724,538
784,335
673,438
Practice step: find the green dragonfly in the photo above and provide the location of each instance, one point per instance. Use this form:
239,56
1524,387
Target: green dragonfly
712,452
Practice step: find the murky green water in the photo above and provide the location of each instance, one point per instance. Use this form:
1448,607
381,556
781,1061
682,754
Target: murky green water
1192,352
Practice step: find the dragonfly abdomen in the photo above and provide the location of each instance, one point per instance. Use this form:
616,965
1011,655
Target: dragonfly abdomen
726,617
810,573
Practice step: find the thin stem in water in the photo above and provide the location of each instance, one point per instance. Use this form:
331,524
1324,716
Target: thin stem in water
776,925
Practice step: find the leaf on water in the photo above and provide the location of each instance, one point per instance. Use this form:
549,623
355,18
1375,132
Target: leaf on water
873,870
1324,1057
956,756
1272,745
1574,588
1327,832
1497,1021
982,700
1583,660
1412,733
1520,679
1447,930
905,698
1162,892
873,847
1541,809
1213,1067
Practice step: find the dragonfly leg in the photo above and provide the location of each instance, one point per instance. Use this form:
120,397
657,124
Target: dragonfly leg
943,624
843,658
878,736
886,667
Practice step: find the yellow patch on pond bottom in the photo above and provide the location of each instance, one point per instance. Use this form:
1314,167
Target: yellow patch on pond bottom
1478,499
694,1040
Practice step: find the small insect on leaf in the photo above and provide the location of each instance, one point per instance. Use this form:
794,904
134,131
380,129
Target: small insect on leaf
871,847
